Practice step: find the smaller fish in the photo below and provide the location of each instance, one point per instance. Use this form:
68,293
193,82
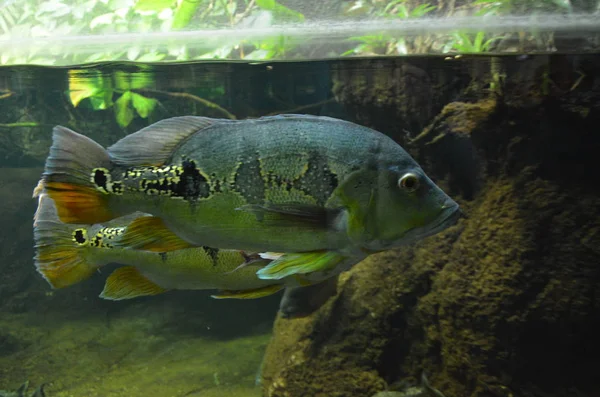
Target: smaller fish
67,254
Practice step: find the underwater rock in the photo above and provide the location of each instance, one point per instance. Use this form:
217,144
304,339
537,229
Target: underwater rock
448,148
344,347
504,303
398,96
9,343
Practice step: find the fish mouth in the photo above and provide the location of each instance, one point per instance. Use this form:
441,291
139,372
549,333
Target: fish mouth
450,214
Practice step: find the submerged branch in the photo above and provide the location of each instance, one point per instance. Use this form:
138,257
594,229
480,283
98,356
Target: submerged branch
195,98
304,107
24,124
6,94
246,12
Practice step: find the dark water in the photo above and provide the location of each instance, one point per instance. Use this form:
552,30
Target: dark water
184,343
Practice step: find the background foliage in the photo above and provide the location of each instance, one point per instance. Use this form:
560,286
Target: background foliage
60,18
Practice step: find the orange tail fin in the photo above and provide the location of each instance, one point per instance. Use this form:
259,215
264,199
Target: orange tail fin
70,178
58,256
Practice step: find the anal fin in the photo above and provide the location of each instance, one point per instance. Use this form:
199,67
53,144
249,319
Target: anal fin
127,282
149,233
249,293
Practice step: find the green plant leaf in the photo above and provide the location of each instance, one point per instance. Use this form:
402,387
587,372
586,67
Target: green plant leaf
151,57
79,89
100,102
90,84
391,5
266,4
153,5
123,110
143,105
280,10
184,13
478,42
104,19
421,10
259,55
122,80
142,80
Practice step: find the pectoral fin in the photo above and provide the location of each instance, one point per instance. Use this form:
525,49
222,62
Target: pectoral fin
292,215
249,293
149,233
126,283
300,263
303,301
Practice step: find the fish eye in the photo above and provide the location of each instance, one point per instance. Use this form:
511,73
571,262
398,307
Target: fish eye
409,182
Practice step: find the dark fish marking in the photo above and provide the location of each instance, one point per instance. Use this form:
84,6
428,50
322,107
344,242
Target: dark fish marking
79,236
100,178
192,184
216,184
249,181
318,181
185,181
112,232
117,188
163,256
97,240
213,253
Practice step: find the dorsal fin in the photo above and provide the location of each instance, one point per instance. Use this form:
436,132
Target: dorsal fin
154,144
149,233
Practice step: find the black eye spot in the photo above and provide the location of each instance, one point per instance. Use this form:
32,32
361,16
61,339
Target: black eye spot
100,178
79,236
409,182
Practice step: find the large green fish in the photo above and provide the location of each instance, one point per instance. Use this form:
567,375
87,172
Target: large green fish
67,254
323,191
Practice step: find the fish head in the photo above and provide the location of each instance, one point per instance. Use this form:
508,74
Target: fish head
396,205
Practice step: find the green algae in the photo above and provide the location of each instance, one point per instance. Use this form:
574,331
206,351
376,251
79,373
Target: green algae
130,356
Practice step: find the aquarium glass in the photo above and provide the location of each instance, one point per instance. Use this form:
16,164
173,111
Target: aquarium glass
497,101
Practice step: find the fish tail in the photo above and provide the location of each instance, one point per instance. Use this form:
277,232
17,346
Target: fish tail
59,248
77,178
